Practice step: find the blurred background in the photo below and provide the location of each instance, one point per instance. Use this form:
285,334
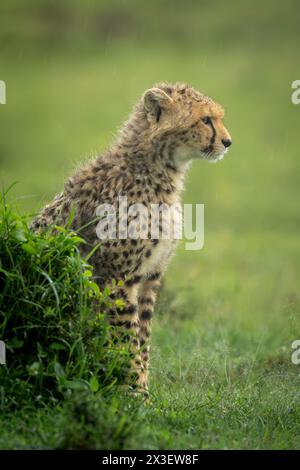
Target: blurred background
74,69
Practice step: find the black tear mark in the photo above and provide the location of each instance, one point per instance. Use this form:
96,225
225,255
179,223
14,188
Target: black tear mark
158,113
213,137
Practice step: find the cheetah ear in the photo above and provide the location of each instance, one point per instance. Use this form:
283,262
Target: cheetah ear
155,100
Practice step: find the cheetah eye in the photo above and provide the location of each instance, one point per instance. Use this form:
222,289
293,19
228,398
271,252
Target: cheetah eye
206,120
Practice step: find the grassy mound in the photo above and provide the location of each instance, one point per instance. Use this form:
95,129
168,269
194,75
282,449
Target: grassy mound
51,317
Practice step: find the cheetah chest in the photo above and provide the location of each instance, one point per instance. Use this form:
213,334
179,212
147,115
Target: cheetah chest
159,257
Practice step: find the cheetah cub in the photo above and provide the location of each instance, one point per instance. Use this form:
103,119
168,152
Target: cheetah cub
169,126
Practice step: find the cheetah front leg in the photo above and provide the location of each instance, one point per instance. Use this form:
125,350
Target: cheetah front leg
146,301
125,321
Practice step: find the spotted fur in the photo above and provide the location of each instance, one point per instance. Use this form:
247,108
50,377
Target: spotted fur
147,163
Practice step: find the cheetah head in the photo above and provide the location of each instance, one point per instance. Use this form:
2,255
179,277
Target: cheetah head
187,122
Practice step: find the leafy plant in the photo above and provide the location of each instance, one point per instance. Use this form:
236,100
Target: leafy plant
52,316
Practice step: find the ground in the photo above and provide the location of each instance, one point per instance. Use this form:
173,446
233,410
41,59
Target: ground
221,372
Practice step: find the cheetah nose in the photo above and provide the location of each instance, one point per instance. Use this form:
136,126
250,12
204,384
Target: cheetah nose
226,142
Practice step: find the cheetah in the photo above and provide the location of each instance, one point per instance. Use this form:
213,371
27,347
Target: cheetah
169,126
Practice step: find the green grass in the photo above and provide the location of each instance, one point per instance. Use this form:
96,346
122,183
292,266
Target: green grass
52,316
221,371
